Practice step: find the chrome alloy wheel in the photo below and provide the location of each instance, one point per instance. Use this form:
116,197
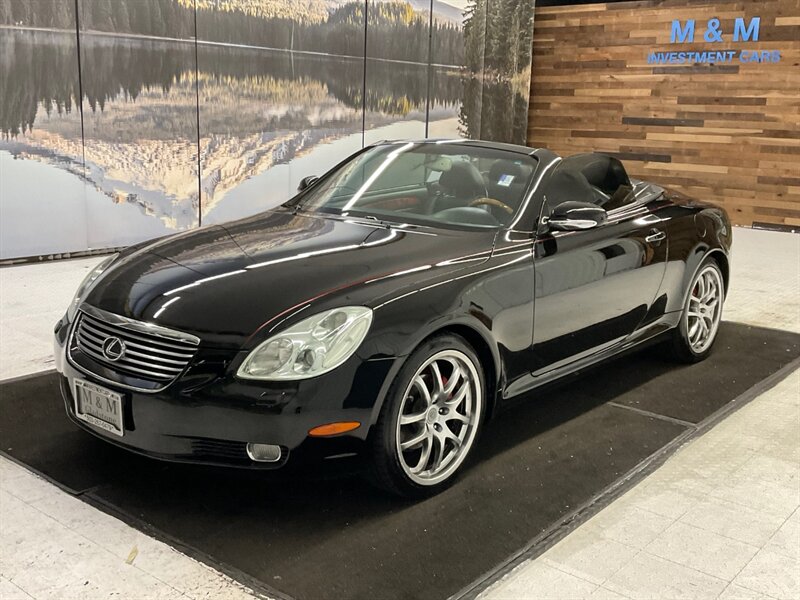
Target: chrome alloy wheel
439,417
704,311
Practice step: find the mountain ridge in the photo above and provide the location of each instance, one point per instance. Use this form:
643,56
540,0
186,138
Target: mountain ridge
315,11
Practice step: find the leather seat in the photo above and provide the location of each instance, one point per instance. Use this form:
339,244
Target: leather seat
507,182
460,185
566,185
605,174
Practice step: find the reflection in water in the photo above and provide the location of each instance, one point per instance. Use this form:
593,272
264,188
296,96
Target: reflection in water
140,125
496,111
48,64
259,112
122,70
46,210
273,186
263,109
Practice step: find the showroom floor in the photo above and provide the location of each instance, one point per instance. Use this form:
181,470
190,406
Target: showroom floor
719,519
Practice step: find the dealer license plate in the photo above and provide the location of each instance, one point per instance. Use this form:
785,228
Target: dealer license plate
99,406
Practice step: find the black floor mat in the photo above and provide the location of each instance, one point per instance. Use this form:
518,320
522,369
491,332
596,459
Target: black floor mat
313,537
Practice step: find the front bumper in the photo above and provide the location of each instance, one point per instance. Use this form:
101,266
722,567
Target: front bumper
208,416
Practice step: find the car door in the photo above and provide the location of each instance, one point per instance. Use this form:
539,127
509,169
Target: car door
593,288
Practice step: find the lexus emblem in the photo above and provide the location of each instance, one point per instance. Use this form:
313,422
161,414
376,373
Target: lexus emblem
113,348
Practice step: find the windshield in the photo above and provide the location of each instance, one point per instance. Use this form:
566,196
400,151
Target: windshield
426,183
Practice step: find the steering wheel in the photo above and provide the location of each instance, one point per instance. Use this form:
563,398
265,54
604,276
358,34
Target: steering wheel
492,202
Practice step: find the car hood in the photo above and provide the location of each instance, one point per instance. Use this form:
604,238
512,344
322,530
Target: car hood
225,283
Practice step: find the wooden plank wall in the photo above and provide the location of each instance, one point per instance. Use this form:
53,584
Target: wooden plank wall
728,133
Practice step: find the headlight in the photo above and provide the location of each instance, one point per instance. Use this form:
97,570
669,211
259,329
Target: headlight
86,285
311,347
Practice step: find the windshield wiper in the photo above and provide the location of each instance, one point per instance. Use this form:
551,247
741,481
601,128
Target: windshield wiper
339,216
368,218
374,218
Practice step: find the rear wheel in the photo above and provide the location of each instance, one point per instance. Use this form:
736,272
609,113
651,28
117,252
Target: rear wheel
694,337
430,419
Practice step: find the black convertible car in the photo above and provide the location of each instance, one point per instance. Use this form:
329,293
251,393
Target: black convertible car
388,309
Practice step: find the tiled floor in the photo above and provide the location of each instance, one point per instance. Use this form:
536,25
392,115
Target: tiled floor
57,547
32,298
719,519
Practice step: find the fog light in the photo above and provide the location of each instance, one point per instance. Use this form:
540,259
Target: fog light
264,452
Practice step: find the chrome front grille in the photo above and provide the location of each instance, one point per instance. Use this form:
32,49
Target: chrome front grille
133,348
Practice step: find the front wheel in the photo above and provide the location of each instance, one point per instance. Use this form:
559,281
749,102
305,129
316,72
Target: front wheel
694,337
430,419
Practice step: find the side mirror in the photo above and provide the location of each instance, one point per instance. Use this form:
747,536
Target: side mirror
576,216
306,182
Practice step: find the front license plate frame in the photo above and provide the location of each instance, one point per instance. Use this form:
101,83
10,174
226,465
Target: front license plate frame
98,406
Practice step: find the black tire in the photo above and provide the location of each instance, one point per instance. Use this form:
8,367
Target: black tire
389,469
679,346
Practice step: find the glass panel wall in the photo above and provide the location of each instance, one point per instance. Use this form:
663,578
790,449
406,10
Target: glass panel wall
398,39
42,190
139,119
129,119
280,98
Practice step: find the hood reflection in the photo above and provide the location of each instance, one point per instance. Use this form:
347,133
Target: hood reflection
250,272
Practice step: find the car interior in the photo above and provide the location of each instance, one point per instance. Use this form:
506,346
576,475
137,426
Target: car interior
475,189
466,194
452,188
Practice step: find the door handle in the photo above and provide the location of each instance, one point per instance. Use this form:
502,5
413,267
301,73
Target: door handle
656,236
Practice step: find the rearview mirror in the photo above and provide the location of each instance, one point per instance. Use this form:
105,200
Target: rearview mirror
306,182
576,216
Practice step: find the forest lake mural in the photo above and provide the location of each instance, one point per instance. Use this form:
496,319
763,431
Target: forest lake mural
135,118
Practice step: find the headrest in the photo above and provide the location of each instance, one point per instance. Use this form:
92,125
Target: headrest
463,180
503,168
602,171
568,184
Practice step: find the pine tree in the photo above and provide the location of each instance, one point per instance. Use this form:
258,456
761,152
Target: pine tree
139,17
21,12
120,17
475,35
101,15
156,19
5,12
63,15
